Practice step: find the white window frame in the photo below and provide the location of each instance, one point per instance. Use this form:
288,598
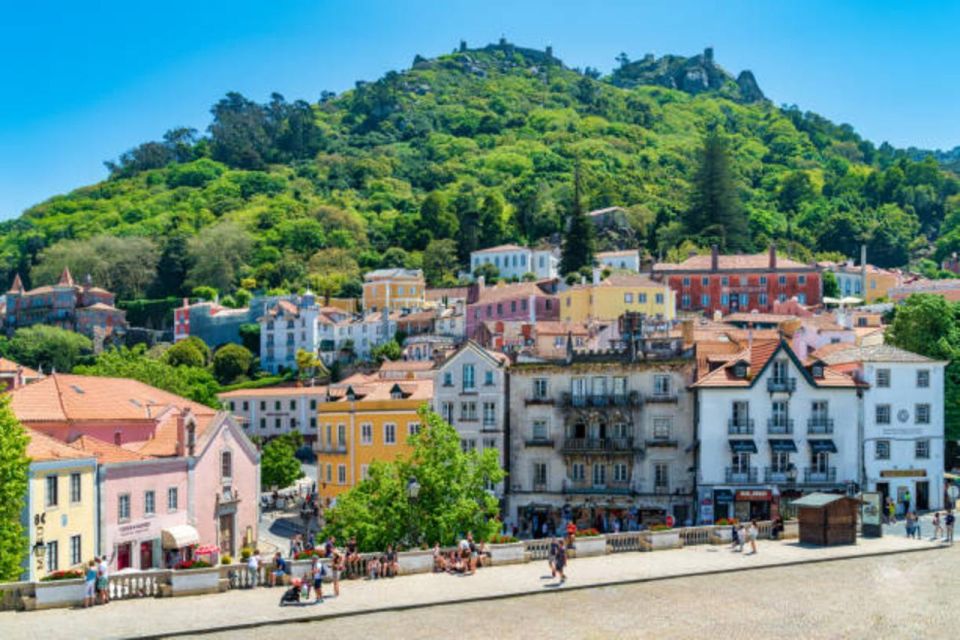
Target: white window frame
389,433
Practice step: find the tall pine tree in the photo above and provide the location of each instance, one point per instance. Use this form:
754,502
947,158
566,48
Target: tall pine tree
715,214
578,243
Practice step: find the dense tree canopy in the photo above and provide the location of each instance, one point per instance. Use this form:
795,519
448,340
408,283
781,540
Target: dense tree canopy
13,487
47,347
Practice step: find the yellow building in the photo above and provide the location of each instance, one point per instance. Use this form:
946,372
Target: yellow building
365,419
61,507
868,283
618,294
394,289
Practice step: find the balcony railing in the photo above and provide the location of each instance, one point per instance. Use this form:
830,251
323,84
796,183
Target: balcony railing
820,425
778,475
663,397
610,488
538,400
586,445
335,447
740,427
780,425
577,400
539,442
741,475
665,443
814,475
788,385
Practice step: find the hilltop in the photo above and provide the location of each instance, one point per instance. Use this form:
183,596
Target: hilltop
469,149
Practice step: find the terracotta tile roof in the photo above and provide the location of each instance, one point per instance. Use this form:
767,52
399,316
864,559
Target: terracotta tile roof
106,452
556,327
407,365
757,357
713,351
376,389
502,247
514,291
872,353
9,366
763,318
100,307
44,448
757,261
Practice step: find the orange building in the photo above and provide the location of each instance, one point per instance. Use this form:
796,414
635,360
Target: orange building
363,419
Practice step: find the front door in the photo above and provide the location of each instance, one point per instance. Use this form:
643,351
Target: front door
883,488
226,534
124,553
146,555
923,495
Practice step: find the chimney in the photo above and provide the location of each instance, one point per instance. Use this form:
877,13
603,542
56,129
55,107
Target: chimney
596,275
773,256
714,258
686,330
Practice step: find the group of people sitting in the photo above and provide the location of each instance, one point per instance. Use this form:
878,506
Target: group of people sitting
463,560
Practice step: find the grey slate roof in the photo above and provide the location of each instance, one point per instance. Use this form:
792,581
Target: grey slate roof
876,353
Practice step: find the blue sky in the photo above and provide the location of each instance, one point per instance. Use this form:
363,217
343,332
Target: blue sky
80,82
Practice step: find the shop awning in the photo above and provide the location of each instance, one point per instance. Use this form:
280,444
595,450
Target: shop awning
182,535
743,446
823,446
783,446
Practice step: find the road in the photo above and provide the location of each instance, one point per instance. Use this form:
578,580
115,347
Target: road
898,596
277,527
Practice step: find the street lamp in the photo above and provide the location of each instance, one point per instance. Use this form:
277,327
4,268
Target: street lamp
413,492
413,489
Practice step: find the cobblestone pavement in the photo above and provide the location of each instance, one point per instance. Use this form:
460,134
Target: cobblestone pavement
900,596
161,616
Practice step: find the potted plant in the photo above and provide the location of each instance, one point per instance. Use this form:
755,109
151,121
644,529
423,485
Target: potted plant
505,549
60,589
194,576
589,542
663,536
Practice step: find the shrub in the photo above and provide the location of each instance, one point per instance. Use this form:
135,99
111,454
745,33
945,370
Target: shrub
587,533
660,527
306,554
499,538
66,574
245,553
193,564
226,559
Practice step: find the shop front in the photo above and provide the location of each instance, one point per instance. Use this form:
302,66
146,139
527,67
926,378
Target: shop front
136,546
753,504
179,543
722,504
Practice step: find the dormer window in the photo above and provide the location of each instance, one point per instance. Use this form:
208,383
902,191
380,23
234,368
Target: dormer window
740,370
817,370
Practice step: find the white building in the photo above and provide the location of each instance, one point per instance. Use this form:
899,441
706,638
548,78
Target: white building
470,392
513,261
629,260
275,411
772,428
903,432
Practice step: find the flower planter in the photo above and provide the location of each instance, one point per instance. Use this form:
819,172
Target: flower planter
668,539
188,582
415,561
509,553
586,547
722,534
59,593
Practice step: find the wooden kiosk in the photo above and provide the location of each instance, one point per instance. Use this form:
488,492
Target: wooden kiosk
827,519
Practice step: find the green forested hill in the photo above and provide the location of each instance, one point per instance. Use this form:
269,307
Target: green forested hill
471,149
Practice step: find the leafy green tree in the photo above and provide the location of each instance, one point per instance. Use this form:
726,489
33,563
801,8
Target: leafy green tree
204,293
389,350
488,271
250,337
578,241
451,501
216,255
191,352
49,347
230,362
309,365
14,466
125,266
440,262
715,211
831,288
435,215
242,297
172,267
279,466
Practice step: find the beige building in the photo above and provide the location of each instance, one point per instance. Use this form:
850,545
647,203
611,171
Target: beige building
394,289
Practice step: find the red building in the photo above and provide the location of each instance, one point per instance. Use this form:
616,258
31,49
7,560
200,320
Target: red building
739,282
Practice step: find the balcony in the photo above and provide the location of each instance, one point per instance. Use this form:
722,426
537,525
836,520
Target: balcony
814,475
664,397
780,476
820,425
578,401
663,443
611,488
597,445
332,448
748,476
539,442
740,426
538,400
781,385
780,426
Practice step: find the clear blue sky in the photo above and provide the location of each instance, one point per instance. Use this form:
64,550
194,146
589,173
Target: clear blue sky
80,82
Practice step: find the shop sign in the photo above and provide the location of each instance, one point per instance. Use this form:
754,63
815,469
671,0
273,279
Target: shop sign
904,473
134,529
753,495
723,496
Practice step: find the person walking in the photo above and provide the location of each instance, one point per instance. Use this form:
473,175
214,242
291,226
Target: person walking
906,501
937,527
752,533
338,565
911,523
552,557
560,562
89,584
891,511
948,525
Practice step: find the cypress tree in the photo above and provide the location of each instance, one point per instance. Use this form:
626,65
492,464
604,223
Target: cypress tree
715,212
578,242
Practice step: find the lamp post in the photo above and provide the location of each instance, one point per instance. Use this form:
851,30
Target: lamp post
413,494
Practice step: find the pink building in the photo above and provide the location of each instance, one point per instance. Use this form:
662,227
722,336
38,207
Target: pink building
527,301
172,473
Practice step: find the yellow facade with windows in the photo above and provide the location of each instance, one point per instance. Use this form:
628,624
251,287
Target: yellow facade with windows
618,294
394,289
362,423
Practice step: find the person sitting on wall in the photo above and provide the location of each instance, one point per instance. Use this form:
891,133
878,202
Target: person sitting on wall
279,569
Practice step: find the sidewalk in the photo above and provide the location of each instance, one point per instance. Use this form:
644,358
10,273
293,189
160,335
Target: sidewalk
237,609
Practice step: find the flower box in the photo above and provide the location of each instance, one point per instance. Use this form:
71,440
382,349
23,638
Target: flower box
187,582
668,539
592,546
509,553
59,593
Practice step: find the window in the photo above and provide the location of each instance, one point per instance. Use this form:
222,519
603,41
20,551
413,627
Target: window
642,298
276,405
659,298
149,503
469,382
763,280
413,428
489,413
446,411
313,422
661,475
661,385
740,463
620,472
782,280
883,378
801,279
76,550
366,433
705,300
662,426
779,461
685,301
540,388
263,405
123,507
468,411
923,378
883,414
762,299
489,443
780,371
705,281
741,413
725,281
621,430
277,423
173,499
724,299
539,473
921,414
226,465
293,405
819,461
364,471
922,449
52,498
576,472
599,474
881,450
390,434
468,444
539,429
488,378
686,281
75,492
263,423
53,557
628,298
802,298
341,474
329,434
313,405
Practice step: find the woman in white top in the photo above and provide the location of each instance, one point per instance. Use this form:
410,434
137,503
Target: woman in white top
752,534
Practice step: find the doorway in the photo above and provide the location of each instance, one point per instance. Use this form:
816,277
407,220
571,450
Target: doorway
124,554
146,555
923,495
226,534
883,488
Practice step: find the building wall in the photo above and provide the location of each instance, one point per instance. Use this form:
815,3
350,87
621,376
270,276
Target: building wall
260,414
394,294
509,263
753,290
605,302
519,308
630,262
66,519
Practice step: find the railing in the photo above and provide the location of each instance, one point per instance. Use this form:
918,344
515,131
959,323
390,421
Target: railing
142,584
575,400
626,541
788,385
812,474
598,444
332,448
661,489
740,427
776,475
663,397
661,442
607,489
780,425
741,475
631,398
538,549
538,442
820,425
696,535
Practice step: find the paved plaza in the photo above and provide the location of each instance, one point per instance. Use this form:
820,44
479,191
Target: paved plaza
237,608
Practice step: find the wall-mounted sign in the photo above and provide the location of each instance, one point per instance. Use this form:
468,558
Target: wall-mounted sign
753,495
904,473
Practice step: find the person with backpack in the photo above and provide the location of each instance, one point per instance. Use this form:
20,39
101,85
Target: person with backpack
948,525
318,571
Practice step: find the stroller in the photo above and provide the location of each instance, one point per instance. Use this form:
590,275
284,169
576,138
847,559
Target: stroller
295,593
